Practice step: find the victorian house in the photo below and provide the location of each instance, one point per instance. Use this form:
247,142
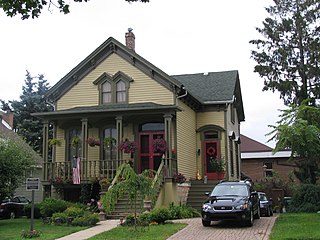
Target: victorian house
115,97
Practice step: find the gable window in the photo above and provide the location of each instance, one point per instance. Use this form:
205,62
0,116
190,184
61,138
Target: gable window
121,91
113,88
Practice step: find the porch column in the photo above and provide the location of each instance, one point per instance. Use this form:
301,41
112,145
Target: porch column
84,146
119,126
168,138
45,135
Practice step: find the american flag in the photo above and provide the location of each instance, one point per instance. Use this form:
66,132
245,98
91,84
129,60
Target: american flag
76,171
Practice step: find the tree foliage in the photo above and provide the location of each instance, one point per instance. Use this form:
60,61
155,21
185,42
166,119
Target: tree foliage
16,159
299,130
31,101
288,54
33,8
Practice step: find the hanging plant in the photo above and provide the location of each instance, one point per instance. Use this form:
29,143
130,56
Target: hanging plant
75,141
93,142
128,146
159,145
108,141
54,141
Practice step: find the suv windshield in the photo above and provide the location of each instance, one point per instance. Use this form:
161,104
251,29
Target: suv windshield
230,190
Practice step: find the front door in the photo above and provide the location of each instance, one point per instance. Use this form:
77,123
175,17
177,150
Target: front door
147,158
211,152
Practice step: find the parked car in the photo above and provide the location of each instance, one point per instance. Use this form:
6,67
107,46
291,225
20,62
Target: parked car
13,207
231,200
266,207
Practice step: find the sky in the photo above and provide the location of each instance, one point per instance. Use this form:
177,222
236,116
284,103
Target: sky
179,37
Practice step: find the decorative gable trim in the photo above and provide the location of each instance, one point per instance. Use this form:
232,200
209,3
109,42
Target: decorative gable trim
104,76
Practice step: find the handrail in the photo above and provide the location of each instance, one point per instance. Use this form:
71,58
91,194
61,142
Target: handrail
159,171
116,177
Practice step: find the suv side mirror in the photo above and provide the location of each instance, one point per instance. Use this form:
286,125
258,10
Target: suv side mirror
207,193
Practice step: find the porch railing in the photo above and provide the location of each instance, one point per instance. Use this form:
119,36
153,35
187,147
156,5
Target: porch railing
91,170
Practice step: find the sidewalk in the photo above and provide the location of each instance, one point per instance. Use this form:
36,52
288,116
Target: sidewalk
102,226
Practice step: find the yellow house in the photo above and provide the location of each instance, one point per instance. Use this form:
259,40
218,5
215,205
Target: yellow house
115,95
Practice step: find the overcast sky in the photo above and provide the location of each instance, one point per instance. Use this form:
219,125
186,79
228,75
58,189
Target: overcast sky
179,37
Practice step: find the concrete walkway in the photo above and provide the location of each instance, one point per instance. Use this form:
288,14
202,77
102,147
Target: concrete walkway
102,226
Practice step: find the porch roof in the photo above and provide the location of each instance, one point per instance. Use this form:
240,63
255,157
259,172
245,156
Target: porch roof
121,109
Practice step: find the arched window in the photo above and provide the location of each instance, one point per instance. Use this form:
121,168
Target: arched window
121,92
106,93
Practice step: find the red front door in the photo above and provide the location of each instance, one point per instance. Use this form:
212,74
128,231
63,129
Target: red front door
147,158
211,152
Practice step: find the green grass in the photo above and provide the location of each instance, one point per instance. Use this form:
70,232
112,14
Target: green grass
154,232
296,226
11,229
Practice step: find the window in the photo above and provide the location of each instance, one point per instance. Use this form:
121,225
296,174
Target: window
268,169
106,93
110,149
231,157
113,89
233,113
121,91
211,135
74,150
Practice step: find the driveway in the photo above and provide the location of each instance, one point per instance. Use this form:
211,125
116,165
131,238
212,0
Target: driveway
260,230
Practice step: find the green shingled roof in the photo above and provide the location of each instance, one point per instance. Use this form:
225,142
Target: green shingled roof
210,87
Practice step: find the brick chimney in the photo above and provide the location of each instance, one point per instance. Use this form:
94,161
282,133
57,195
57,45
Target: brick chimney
130,39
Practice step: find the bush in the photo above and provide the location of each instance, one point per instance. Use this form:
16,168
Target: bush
129,220
74,212
28,207
50,206
305,199
86,220
145,217
183,211
160,215
59,218
30,234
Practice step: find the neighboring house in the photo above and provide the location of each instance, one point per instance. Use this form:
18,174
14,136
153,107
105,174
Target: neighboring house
6,126
114,94
258,161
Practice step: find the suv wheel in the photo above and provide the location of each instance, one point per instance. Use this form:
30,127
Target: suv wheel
249,222
257,215
206,223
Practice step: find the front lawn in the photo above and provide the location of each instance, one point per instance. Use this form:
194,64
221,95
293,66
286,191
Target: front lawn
296,226
154,232
11,229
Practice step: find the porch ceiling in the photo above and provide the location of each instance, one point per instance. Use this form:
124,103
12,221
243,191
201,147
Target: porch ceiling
110,110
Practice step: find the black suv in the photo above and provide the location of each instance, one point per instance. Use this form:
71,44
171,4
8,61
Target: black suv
231,201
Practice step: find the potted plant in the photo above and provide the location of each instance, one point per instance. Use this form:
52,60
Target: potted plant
93,142
108,141
54,141
75,141
159,145
128,146
105,183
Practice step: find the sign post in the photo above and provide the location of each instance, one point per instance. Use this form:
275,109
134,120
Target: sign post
32,184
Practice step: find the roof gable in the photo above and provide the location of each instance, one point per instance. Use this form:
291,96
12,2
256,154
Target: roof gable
250,145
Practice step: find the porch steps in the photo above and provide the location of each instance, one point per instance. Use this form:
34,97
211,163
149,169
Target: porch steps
197,191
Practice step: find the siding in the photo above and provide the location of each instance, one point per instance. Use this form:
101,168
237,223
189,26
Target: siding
142,89
186,139
60,153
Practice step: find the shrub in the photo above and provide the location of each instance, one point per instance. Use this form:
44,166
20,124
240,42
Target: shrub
145,217
129,220
28,207
50,206
30,234
74,212
86,220
306,199
160,215
59,218
182,211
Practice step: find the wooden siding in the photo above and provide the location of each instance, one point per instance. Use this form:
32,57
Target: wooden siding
186,139
60,153
205,118
142,89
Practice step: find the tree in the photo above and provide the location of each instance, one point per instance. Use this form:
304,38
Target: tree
299,130
16,159
31,101
288,55
33,8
